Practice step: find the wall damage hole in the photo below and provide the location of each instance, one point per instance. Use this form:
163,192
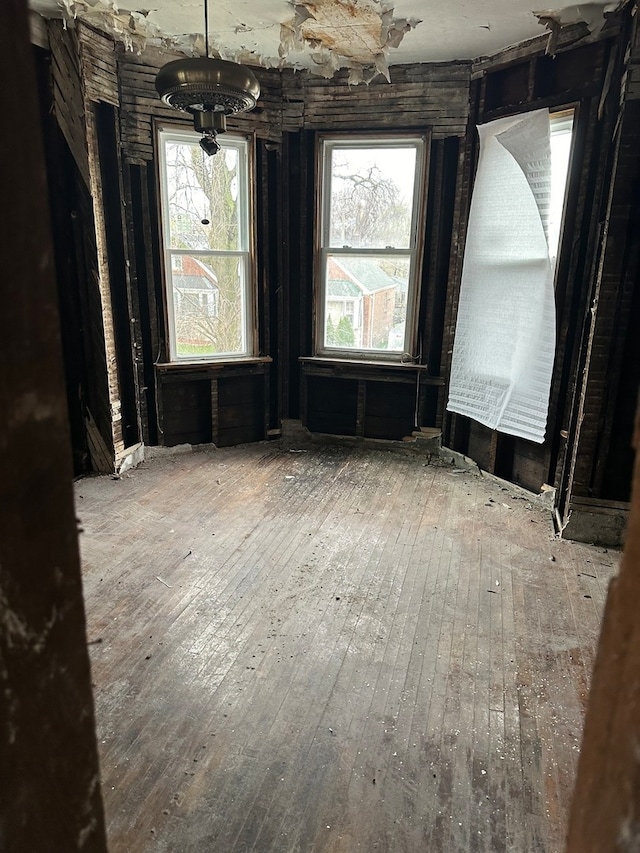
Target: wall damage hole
594,15
356,34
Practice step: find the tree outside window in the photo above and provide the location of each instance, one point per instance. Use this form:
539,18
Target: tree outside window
206,206
368,239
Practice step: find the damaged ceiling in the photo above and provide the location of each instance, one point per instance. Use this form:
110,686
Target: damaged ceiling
365,36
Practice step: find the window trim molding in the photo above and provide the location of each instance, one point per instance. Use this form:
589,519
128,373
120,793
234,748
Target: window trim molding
251,351
415,252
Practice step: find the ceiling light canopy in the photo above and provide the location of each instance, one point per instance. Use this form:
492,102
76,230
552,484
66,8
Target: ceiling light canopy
209,89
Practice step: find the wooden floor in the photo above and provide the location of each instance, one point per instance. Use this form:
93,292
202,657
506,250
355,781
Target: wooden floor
333,650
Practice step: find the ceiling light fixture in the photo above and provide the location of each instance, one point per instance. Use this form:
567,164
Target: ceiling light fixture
209,89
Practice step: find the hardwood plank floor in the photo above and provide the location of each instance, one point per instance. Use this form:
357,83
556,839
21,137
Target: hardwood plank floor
333,650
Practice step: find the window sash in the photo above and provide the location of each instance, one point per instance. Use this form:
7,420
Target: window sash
360,349
176,307
409,253
243,253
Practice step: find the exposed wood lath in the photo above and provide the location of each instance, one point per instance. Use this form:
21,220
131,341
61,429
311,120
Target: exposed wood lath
422,96
434,96
141,104
68,101
99,73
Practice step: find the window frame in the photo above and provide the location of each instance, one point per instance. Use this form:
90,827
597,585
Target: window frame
325,144
561,114
464,383
245,142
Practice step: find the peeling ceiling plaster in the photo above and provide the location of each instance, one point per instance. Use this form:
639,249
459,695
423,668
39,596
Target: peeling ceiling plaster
365,36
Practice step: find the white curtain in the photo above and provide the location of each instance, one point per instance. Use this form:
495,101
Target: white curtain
505,333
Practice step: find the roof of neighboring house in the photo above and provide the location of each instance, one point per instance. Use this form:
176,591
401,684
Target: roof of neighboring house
364,272
193,282
343,288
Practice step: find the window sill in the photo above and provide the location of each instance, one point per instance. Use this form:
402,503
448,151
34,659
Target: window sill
211,366
359,367
189,365
371,362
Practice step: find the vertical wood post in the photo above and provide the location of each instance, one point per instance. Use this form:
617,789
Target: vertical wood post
49,782
605,815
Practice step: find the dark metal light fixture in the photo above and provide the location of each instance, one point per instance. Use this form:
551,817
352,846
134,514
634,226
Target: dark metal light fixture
209,89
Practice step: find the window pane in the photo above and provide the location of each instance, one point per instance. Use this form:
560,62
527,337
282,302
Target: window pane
204,209
561,127
208,308
371,197
366,302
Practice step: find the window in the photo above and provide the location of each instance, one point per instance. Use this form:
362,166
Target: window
505,338
560,136
206,211
370,225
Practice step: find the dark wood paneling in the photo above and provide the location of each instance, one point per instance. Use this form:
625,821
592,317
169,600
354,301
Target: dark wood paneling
439,248
240,415
145,319
61,181
389,410
577,72
220,403
332,405
301,204
76,245
509,85
186,412
240,390
617,468
602,334
603,455
481,445
241,434
463,186
528,463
